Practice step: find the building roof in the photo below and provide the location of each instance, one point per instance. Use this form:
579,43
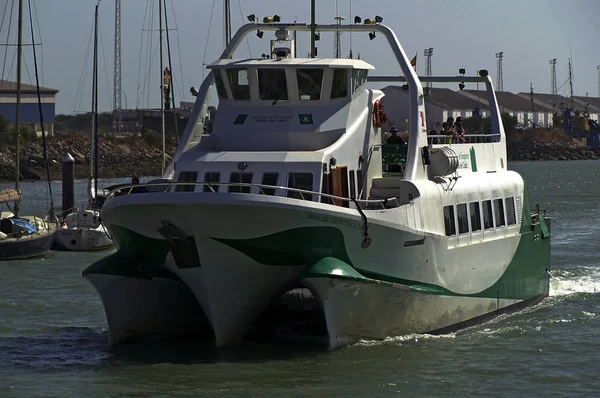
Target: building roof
557,102
592,101
511,101
8,87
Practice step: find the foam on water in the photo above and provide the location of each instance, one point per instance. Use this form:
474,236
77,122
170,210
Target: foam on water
577,280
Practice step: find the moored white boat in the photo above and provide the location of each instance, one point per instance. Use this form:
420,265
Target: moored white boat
289,191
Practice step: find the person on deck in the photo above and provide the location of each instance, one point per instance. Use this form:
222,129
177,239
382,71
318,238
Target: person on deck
394,138
135,181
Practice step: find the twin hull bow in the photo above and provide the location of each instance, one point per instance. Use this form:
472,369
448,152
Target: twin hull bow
235,254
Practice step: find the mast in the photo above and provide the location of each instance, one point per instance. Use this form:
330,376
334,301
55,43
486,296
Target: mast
571,81
162,91
170,82
94,154
313,50
18,121
227,12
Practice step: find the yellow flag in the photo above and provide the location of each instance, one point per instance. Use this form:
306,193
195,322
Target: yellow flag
413,62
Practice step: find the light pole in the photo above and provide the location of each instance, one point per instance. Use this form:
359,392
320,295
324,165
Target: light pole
125,95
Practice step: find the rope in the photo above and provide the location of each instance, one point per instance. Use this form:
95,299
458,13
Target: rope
212,11
12,4
181,89
79,94
37,83
109,90
105,230
242,16
137,100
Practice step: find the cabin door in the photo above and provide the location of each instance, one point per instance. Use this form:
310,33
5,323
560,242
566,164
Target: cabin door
340,185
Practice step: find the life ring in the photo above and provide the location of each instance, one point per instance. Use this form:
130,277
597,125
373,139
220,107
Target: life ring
379,115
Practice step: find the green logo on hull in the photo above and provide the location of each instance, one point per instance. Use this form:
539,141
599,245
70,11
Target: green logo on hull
305,118
241,118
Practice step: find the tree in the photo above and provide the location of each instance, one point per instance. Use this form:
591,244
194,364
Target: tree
4,124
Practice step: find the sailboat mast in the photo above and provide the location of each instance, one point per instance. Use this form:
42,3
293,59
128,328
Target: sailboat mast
18,121
571,81
162,91
94,155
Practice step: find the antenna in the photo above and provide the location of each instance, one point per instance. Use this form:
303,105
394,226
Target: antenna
598,67
117,117
553,83
338,34
532,105
428,53
499,77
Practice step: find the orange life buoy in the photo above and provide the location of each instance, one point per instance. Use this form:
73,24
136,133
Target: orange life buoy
379,116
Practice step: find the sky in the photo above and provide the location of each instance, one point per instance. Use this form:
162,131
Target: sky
463,33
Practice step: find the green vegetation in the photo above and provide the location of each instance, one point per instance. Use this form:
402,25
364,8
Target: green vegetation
82,122
8,136
4,124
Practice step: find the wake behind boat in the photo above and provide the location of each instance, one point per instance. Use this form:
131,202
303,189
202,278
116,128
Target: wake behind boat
289,192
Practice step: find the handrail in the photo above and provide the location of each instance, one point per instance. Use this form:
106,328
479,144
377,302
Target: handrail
129,189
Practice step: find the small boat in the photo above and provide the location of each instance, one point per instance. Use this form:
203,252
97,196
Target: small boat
81,228
291,192
22,237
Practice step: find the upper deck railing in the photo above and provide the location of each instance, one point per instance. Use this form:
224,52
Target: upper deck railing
269,190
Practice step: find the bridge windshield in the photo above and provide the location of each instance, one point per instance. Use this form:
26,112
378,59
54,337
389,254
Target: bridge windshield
310,82
272,84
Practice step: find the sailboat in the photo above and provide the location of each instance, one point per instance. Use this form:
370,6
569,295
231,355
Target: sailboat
22,236
82,229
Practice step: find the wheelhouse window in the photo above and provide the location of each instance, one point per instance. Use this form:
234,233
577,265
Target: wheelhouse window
269,179
499,211
359,78
475,216
302,181
488,217
244,178
238,80
186,177
211,177
449,224
463,220
511,218
339,86
310,82
272,84
222,93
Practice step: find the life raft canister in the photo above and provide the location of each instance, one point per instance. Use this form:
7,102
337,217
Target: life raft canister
379,115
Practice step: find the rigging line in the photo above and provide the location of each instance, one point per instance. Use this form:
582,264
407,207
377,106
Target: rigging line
139,74
110,96
12,4
37,83
172,91
181,93
79,93
3,16
212,11
39,30
242,17
147,78
150,53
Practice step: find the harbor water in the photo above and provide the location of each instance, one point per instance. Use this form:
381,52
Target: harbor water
53,339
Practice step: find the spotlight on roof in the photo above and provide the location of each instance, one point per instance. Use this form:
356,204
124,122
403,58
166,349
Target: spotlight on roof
251,18
276,18
372,35
483,72
193,91
260,34
369,21
357,19
378,19
405,87
317,36
268,20
461,85
462,71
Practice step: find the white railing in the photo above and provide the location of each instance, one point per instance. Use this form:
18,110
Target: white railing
467,139
164,187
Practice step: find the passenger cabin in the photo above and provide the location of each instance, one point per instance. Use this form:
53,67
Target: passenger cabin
303,124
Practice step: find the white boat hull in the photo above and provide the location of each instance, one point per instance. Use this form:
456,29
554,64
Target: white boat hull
355,310
82,239
137,306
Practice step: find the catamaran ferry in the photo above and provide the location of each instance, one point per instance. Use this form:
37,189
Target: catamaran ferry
293,189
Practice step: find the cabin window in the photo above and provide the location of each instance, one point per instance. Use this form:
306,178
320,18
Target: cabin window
220,85
272,84
475,216
269,179
463,219
339,86
302,181
511,218
189,177
244,178
359,77
238,79
499,211
488,218
449,220
211,177
310,82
